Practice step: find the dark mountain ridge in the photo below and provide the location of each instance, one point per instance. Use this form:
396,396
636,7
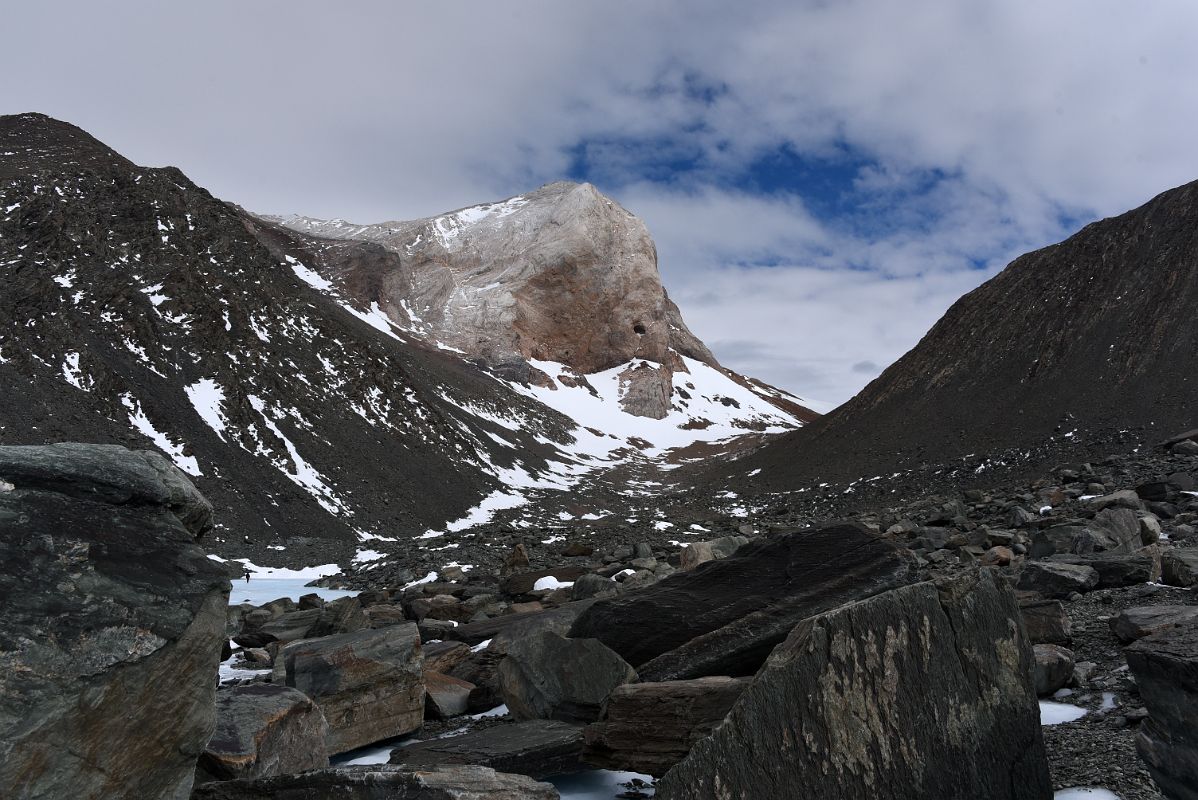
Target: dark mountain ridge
136,305
1082,339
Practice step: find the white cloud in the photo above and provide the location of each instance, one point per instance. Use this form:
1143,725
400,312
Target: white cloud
1029,111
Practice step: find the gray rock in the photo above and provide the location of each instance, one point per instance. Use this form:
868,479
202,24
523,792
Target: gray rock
1136,623
1045,622
383,782
878,699
1125,498
263,730
344,615
593,585
1186,448
1165,666
112,628
547,676
724,617
1054,668
1150,530
537,748
1114,569
1180,567
1054,580
650,727
696,553
338,672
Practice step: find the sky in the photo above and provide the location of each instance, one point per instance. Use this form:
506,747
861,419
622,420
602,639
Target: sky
822,179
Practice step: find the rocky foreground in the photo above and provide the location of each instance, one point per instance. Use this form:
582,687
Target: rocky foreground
900,653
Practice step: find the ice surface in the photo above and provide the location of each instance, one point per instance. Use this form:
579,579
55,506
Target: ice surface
597,784
1056,713
1083,793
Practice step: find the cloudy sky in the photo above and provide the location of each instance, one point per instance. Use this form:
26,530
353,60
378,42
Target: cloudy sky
823,179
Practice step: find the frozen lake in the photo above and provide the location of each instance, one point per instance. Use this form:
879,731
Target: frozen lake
271,583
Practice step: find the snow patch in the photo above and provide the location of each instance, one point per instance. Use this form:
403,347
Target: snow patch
139,420
206,398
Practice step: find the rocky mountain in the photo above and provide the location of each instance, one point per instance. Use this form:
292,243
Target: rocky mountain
329,394
1085,339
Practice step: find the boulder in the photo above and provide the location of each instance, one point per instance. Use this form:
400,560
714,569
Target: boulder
724,617
696,553
444,656
287,627
263,730
1055,580
1136,623
924,691
593,585
1045,622
1054,668
383,782
547,676
112,627
344,615
1165,666
1180,567
445,696
368,683
650,727
1114,569
1125,498
537,748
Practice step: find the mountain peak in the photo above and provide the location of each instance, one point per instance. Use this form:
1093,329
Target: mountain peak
34,142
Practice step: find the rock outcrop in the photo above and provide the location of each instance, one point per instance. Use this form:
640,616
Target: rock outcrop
1165,665
264,730
369,683
844,709
724,617
383,782
112,627
567,275
650,727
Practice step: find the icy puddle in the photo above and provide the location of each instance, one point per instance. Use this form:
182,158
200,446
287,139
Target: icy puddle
598,784
1056,713
262,590
1085,794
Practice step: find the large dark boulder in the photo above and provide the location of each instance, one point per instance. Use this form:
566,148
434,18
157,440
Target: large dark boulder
1052,579
547,676
1165,666
264,730
369,683
383,782
112,625
724,617
1180,567
924,691
650,727
1114,569
537,748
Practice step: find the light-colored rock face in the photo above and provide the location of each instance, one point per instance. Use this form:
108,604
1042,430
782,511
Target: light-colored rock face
560,274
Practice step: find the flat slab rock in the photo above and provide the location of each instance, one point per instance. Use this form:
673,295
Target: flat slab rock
845,708
547,676
650,727
1140,621
112,625
383,782
724,617
537,748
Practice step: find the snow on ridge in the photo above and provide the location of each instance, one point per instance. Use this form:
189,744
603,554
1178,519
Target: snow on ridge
447,227
206,398
139,420
305,475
